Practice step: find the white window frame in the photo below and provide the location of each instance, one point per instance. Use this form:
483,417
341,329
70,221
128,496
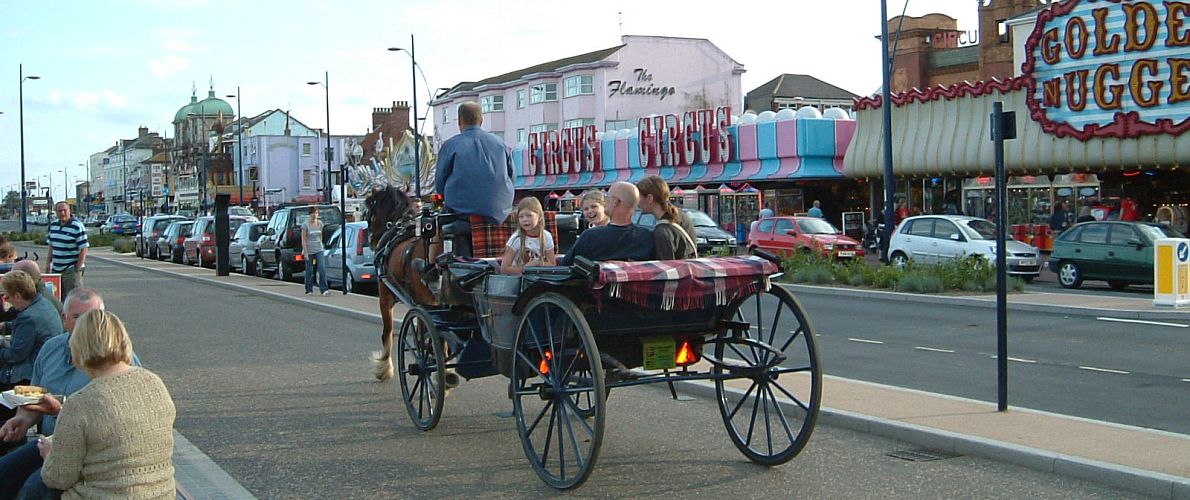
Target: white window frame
543,92
491,103
612,125
520,99
521,136
305,149
579,85
307,179
542,127
578,122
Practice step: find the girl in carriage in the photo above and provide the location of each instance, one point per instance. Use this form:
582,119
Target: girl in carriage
531,244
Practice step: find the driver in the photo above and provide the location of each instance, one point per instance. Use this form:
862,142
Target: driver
474,174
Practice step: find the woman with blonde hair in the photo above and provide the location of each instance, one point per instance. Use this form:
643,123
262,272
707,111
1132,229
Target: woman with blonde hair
531,244
114,437
673,236
592,203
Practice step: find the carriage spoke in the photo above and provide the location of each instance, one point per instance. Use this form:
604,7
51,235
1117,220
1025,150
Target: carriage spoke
752,421
796,333
773,330
743,399
781,414
537,420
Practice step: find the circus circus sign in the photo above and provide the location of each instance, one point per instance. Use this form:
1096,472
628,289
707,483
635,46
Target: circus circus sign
1110,68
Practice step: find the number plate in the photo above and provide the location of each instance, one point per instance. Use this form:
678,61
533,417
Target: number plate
659,352
847,253
1028,263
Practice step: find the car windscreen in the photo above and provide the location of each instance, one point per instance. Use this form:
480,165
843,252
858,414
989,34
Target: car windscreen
160,225
328,216
699,219
816,226
982,229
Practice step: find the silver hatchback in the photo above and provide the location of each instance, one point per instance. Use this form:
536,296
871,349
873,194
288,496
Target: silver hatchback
361,271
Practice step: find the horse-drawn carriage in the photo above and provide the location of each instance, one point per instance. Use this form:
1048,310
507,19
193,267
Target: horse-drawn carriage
565,336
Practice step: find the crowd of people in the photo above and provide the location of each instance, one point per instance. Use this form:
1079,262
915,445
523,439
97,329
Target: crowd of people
103,426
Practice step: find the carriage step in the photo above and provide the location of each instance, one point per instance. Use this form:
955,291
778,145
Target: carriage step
771,357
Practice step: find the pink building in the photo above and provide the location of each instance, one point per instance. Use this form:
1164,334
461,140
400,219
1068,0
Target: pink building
609,88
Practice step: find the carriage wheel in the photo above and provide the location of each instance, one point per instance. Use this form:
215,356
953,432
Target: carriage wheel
552,371
419,363
771,416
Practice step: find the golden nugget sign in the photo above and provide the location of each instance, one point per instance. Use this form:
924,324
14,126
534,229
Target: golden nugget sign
1110,68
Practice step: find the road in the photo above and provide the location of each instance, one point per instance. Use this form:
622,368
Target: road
1125,372
280,396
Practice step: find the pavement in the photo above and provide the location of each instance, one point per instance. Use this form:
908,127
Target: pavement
1146,461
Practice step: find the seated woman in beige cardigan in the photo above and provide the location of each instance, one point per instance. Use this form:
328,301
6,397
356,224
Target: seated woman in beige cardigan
114,437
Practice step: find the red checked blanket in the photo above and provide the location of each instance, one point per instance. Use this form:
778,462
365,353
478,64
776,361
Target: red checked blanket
684,285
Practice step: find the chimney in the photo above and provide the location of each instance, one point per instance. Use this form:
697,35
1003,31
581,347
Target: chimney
142,131
398,114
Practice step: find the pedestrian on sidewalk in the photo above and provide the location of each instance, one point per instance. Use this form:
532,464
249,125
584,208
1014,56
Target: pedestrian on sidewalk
315,253
816,210
68,248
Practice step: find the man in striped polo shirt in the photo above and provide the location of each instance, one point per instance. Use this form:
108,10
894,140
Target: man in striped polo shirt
68,248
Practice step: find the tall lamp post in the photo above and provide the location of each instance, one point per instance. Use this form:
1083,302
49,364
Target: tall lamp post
416,123
21,99
326,90
240,141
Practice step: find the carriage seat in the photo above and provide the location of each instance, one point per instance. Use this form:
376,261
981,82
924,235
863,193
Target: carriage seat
488,240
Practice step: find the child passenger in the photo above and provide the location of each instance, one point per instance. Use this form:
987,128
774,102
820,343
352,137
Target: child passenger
531,244
592,203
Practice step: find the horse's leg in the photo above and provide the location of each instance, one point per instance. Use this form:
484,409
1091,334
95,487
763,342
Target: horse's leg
382,360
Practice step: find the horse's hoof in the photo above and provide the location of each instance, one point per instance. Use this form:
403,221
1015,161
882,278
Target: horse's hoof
383,367
451,379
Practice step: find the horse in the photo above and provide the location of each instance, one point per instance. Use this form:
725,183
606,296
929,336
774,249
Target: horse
387,210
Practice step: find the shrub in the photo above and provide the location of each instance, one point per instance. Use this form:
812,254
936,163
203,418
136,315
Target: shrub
102,240
123,245
37,237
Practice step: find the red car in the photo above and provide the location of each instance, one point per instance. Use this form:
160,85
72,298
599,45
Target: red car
786,235
199,246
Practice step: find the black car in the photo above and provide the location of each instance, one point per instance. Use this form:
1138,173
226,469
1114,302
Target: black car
710,239
279,251
169,245
154,226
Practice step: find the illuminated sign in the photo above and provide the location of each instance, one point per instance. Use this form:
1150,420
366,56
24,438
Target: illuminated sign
699,137
571,150
1110,69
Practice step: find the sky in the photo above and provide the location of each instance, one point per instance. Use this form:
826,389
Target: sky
108,67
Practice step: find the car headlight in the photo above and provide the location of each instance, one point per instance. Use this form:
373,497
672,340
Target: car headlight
701,240
731,241
828,246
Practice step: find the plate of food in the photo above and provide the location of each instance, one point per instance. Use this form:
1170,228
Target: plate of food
24,394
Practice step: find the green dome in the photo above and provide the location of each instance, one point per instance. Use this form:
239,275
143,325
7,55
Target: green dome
186,110
213,106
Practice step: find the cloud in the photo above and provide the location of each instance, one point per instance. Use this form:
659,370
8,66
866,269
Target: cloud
90,102
167,65
175,45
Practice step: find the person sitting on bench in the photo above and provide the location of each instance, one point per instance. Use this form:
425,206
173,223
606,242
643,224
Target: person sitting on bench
620,239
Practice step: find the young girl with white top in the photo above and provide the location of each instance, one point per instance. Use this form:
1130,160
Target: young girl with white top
531,244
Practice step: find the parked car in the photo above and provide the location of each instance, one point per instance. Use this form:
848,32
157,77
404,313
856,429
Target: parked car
122,224
244,212
199,246
710,240
154,226
789,235
170,245
1120,253
361,271
930,239
242,250
279,251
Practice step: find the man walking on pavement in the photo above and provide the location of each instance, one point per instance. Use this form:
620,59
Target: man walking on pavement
68,248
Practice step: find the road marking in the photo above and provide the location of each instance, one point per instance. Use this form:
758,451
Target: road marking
1018,360
1186,380
931,349
1142,322
864,341
1104,370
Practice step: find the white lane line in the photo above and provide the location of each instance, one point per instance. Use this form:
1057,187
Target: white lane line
1186,380
931,349
1142,322
1018,360
1104,370
864,341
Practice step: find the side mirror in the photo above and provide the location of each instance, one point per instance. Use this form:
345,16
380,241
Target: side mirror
1136,243
791,232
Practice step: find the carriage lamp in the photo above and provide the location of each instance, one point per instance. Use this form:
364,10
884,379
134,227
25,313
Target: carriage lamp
544,366
437,200
686,355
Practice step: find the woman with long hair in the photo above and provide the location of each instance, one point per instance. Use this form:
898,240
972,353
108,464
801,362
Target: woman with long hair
673,236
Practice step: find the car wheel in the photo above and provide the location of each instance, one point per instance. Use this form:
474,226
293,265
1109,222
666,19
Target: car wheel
1118,285
284,272
245,267
899,260
139,251
1069,275
349,283
175,256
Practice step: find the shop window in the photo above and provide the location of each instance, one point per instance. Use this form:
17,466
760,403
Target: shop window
490,103
579,85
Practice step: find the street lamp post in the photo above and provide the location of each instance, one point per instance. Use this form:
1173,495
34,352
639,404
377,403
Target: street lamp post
21,99
327,91
240,141
124,175
416,128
